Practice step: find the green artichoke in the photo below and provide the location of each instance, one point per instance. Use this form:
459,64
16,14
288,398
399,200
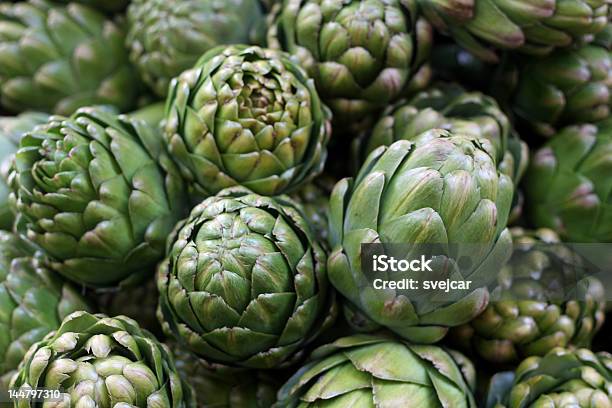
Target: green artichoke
561,378
531,314
11,129
33,302
449,106
532,26
370,371
568,184
438,189
244,283
246,116
166,38
59,58
99,194
217,386
104,362
362,55
570,86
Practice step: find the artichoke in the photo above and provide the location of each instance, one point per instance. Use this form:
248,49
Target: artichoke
246,116
448,106
561,378
34,301
440,188
166,38
11,129
244,283
534,27
217,386
570,86
568,184
99,194
531,314
361,54
370,371
105,362
59,58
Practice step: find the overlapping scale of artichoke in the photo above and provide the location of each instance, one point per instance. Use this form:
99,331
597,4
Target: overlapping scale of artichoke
103,361
569,187
245,283
362,55
449,106
570,86
11,129
34,302
370,371
246,116
216,385
440,188
541,302
99,194
56,58
561,378
166,38
534,27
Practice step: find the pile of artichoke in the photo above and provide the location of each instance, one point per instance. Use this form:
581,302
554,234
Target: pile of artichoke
196,198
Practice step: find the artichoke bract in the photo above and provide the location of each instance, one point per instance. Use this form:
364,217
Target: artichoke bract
561,378
370,371
34,302
244,283
442,189
11,130
570,86
99,194
450,107
167,37
103,361
246,116
541,302
361,54
218,386
568,184
533,27
59,58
